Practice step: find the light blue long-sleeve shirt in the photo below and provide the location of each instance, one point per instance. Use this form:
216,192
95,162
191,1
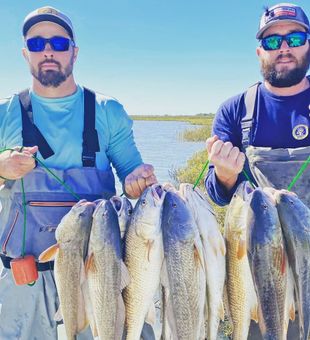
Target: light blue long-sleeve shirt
61,122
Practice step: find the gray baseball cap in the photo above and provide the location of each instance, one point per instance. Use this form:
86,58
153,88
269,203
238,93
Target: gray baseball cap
51,14
285,12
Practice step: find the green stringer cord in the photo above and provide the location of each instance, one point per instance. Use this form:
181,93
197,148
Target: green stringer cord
299,173
204,168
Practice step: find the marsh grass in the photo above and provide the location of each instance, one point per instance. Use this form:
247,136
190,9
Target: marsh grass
199,119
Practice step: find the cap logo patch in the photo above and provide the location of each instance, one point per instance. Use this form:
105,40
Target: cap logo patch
300,131
284,11
47,11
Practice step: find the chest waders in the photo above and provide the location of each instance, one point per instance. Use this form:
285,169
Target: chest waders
28,312
273,168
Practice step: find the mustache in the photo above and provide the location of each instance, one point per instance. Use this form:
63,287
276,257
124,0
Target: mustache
287,55
49,61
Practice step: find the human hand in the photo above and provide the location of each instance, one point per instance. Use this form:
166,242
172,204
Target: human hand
16,164
135,183
227,159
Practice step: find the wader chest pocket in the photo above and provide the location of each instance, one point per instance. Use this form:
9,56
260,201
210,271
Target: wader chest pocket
42,216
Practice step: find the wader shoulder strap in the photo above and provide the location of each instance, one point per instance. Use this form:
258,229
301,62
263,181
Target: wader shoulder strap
247,120
90,135
30,133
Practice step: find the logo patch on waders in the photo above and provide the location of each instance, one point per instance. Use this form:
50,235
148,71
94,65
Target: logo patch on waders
300,131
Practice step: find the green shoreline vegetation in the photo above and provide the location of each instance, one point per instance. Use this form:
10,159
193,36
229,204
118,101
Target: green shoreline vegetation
198,119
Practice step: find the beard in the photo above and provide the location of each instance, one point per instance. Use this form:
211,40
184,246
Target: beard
286,77
52,78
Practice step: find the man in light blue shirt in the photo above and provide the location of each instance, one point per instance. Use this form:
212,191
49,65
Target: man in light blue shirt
78,134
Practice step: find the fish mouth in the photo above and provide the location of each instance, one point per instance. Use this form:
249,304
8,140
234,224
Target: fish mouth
184,187
117,204
158,192
285,197
98,203
169,187
84,205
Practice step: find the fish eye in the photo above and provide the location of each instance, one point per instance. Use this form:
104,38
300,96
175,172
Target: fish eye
174,205
143,202
129,212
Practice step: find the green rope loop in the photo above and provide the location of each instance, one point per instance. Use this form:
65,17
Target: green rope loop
248,179
25,218
24,203
200,175
64,184
299,173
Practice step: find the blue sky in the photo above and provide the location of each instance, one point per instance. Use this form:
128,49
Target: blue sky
156,57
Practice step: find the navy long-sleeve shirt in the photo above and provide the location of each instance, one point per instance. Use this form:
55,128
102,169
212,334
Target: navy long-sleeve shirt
279,122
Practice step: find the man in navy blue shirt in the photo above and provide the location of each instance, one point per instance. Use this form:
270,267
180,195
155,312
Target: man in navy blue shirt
267,142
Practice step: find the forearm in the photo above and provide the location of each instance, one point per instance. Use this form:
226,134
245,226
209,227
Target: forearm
227,180
219,193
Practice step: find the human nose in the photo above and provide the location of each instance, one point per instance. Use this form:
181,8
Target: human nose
48,51
284,45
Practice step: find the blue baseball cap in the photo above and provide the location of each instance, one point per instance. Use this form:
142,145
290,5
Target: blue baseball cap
51,14
285,12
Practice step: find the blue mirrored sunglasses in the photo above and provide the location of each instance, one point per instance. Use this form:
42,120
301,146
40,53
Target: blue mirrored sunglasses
59,44
294,39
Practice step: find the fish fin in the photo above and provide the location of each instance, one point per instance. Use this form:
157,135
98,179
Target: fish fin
221,311
254,313
82,319
242,249
125,276
222,246
49,253
82,274
151,315
94,330
199,259
292,311
90,263
58,315
213,246
88,307
149,248
120,317
283,263
164,275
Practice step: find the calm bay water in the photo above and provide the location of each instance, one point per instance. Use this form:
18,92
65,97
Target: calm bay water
160,145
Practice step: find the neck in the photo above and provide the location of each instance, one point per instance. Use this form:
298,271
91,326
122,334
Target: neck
67,88
288,91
